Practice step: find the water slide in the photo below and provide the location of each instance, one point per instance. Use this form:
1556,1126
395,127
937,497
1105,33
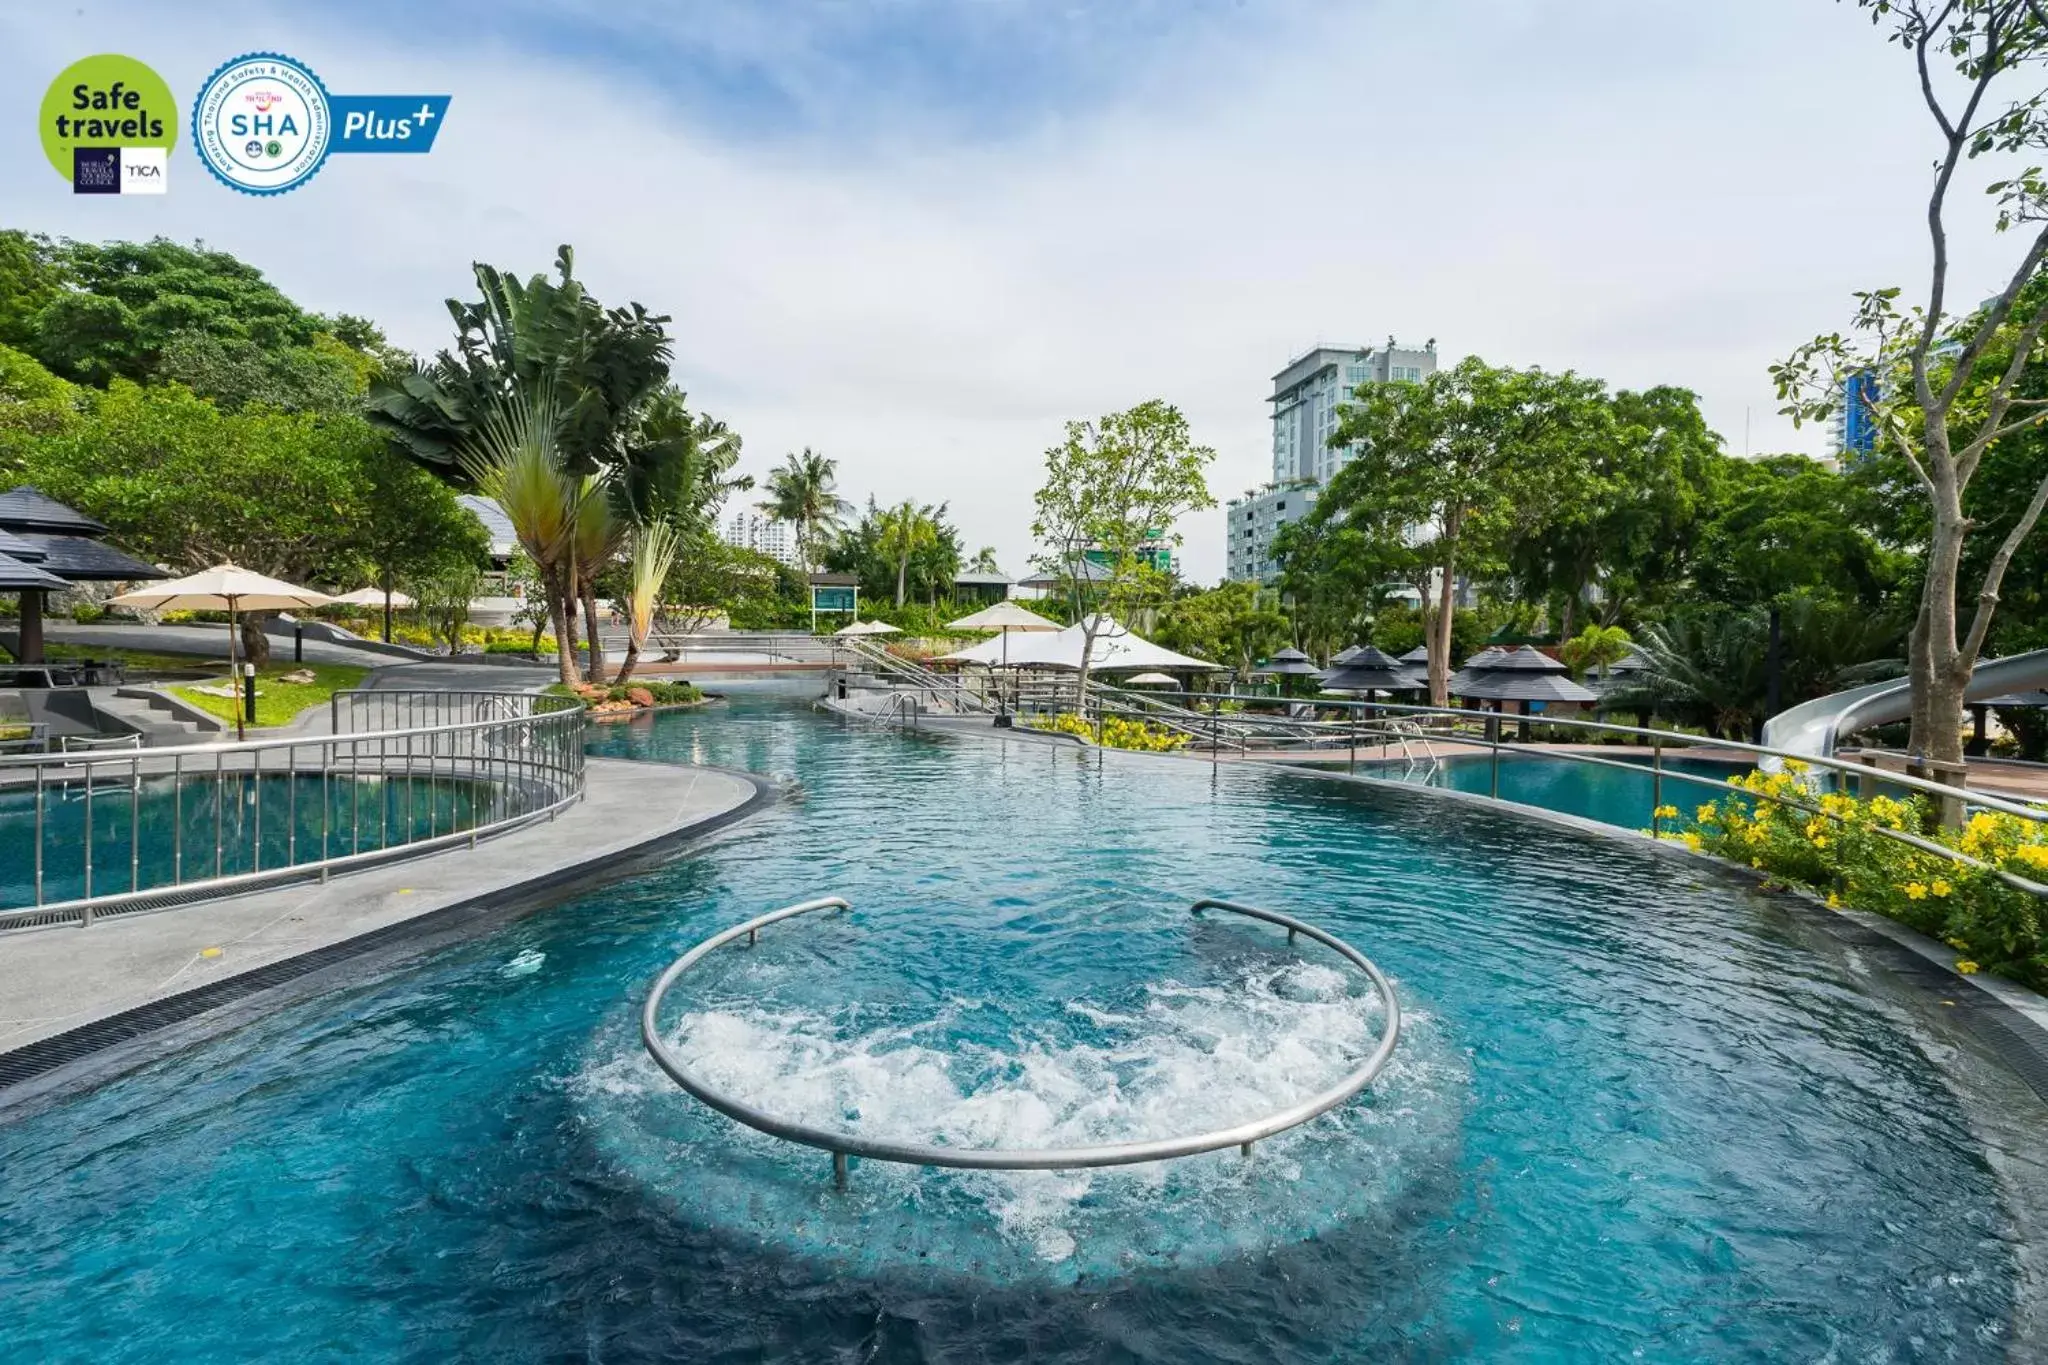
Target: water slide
1815,727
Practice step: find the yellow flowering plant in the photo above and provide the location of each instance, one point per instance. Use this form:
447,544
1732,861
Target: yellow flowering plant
1838,846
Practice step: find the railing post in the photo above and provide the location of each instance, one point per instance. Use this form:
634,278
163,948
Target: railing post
1656,787
1493,788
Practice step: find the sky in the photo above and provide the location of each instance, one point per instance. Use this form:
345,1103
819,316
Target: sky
921,235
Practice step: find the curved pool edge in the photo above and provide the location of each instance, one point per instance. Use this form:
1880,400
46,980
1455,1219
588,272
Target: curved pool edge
617,830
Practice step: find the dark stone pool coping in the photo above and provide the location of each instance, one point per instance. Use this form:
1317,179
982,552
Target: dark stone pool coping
39,1072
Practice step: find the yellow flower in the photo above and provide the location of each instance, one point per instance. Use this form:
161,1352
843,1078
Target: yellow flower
1834,901
1940,887
1665,813
1915,891
1966,967
1691,840
2034,856
1705,813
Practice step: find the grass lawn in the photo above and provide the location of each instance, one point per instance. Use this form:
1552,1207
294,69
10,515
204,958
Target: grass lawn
277,702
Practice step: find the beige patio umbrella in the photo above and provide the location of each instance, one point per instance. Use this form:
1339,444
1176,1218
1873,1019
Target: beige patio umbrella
374,597
224,587
1005,617
868,628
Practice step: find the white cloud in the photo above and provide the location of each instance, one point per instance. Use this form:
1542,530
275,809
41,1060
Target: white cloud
1651,193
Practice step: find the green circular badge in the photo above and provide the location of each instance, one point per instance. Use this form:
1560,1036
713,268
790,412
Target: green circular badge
106,101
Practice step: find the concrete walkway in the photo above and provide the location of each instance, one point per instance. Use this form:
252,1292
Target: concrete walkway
71,992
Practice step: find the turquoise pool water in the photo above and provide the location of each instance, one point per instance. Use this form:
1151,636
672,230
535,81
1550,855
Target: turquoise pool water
143,836
1637,1116
1610,795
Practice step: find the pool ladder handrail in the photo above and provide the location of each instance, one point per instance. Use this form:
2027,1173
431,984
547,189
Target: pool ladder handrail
843,1144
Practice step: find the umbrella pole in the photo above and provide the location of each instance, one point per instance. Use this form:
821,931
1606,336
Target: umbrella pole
234,673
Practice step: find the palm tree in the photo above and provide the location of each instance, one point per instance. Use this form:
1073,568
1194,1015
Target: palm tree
1596,647
985,561
902,532
515,459
801,492
654,553
1710,666
599,532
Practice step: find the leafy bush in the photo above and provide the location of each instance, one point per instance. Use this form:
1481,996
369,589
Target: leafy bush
85,613
1117,733
1832,844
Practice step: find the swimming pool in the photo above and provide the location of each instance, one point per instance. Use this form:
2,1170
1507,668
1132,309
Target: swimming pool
1638,1114
1612,796
158,831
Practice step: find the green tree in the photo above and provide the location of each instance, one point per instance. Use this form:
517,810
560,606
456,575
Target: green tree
1463,459
1631,520
409,528
1232,624
1921,365
30,277
802,491
984,561
1596,648
1113,490
905,530
180,482
1787,525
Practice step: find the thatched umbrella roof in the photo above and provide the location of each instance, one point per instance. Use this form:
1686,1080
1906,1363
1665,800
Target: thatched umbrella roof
1291,662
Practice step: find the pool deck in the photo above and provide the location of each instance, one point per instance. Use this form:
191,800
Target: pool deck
73,993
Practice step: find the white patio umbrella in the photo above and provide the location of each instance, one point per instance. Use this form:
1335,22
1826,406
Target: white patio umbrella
1003,616
224,587
868,628
1152,680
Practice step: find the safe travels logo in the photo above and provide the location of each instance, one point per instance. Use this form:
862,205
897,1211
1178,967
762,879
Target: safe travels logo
108,124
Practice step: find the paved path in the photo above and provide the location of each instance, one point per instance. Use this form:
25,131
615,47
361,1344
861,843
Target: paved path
57,980
206,642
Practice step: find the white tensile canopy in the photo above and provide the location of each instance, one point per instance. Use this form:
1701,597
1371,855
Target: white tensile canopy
1118,649
374,597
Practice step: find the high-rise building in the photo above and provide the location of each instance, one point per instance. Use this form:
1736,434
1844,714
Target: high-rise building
1855,425
753,531
1307,394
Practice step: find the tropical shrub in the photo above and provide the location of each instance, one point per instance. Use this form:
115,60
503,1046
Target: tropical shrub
1117,733
1832,844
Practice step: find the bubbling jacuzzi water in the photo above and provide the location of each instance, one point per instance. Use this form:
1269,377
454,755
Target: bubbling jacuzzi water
1237,1027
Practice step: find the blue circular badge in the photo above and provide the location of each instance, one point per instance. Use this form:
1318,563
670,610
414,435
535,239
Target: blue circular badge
262,123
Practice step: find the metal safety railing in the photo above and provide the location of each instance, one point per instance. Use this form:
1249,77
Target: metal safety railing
94,834
1341,730
842,1144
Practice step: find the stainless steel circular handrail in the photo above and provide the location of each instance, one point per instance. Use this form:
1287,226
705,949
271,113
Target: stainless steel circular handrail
843,1144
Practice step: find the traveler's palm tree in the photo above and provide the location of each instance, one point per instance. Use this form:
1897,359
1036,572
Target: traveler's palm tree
985,561
655,546
802,491
515,460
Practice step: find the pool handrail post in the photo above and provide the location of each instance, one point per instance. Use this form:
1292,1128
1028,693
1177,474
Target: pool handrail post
1656,788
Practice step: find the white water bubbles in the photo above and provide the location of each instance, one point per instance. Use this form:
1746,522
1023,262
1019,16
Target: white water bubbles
1170,1057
